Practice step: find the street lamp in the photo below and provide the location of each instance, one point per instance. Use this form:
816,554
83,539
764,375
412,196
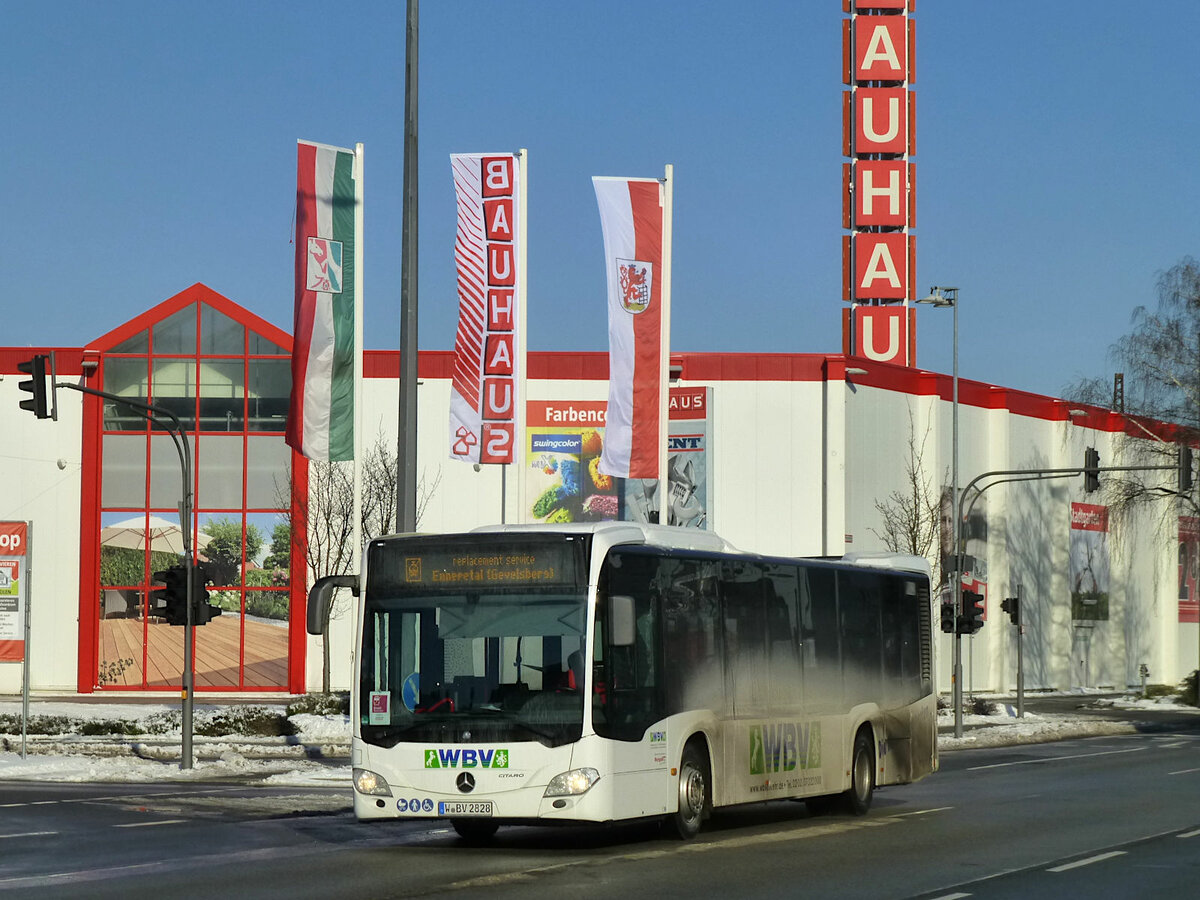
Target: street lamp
943,297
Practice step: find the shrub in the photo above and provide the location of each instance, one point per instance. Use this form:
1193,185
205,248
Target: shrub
321,704
978,706
1187,693
256,720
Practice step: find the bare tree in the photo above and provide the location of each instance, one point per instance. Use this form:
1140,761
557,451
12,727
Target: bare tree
1160,362
328,515
910,515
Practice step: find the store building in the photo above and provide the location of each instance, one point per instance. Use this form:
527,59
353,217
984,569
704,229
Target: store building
796,454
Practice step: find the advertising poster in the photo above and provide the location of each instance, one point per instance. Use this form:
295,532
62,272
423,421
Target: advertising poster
564,441
12,591
1089,562
1189,569
974,539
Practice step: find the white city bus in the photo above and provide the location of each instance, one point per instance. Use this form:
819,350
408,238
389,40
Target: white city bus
607,672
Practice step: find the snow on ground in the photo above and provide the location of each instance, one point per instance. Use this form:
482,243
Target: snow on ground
237,757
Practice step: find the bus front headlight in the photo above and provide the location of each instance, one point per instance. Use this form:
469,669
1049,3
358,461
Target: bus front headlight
368,782
573,783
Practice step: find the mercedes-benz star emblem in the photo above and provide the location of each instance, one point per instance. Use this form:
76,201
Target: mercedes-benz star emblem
465,782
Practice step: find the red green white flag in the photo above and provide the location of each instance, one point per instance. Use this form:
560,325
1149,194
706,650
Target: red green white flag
321,415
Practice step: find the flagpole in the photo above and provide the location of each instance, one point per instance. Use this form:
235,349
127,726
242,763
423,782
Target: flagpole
665,348
356,507
518,449
406,455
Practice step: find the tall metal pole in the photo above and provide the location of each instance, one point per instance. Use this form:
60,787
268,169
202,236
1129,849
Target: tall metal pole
958,701
1020,655
406,455
28,635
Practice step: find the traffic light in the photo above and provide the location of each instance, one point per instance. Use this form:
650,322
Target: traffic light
972,613
173,595
948,618
37,387
1012,606
203,610
1091,470
1185,468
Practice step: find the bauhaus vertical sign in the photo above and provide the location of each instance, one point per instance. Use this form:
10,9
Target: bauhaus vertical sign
488,347
13,590
879,181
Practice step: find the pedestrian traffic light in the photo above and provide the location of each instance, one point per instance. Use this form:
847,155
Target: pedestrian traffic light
173,596
1091,470
971,619
948,618
203,610
1185,468
1012,606
37,386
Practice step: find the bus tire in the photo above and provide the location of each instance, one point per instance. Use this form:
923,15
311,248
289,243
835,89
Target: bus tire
857,799
695,798
475,831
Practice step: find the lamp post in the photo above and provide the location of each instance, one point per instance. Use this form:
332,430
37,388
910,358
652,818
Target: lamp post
942,297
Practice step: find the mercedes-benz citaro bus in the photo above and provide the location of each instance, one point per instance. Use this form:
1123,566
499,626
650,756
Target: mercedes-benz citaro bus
607,672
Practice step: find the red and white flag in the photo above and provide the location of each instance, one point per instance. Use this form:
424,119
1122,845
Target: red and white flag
634,215
488,364
324,353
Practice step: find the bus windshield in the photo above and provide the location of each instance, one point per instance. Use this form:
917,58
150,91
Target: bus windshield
479,641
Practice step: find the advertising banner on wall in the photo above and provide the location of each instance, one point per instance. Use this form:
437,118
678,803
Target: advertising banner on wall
564,442
974,539
1189,568
13,592
1089,570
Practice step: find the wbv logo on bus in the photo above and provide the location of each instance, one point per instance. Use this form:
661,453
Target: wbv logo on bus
784,747
457,758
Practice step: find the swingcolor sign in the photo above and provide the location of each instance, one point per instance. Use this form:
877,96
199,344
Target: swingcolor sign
879,182
13,540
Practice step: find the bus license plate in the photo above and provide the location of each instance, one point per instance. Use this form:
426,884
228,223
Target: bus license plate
465,808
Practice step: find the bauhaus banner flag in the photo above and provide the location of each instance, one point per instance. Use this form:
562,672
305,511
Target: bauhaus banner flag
328,260
634,216
488,348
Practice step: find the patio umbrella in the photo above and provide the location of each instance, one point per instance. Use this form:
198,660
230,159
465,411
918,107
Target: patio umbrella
136,533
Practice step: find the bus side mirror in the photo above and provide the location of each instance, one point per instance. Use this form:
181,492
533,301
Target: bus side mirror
320,598
621,629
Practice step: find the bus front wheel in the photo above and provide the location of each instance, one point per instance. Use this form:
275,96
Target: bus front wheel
694,798
862,774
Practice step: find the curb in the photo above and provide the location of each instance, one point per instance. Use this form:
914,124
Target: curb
167,749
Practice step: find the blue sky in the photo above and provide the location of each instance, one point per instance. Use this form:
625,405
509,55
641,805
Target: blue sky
152,145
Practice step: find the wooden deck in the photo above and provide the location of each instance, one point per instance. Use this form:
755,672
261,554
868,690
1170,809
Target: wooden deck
217,657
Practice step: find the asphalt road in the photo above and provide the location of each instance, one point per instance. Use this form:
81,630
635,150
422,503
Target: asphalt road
1101,817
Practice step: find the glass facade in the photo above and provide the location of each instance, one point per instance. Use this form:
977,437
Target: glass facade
228,388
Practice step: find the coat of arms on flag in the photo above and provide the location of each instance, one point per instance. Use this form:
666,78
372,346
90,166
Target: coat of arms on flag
324,265
636,277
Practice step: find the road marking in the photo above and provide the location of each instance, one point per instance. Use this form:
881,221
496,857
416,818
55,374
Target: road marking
1184,771
147,824
44,833
951,897
1088,861
920,812
1190,833
1027,762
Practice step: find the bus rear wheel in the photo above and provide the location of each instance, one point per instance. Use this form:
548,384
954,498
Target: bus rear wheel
862,774
475,831
694,798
